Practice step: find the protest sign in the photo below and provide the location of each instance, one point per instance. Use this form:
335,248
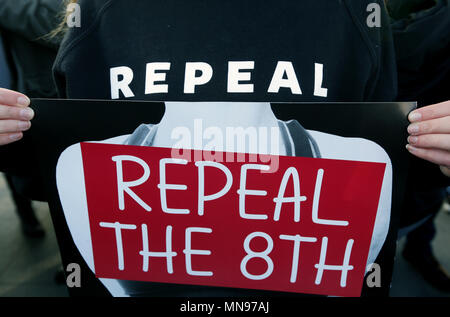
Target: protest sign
146,219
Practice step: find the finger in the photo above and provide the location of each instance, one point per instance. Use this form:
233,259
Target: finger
445,170
10,138
13,126
436,141
440,157
14,112
13,98
430,112
434,126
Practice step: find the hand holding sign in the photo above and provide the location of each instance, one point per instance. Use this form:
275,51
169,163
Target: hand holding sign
15,115
430,134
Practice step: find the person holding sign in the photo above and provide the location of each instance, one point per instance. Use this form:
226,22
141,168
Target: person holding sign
290,74
194,54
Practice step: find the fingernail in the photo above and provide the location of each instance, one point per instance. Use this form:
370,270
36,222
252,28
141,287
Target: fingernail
15,136
413,128
27,113
24,125
23,101
413,139
410,148
414,116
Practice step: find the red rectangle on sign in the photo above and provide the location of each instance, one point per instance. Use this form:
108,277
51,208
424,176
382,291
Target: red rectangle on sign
303,226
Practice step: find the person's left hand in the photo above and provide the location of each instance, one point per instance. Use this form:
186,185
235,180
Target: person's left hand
429,134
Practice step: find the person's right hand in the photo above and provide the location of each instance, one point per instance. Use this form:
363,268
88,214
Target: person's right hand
15,115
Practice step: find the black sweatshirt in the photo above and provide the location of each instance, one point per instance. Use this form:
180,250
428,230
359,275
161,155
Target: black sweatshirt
24,25
328,38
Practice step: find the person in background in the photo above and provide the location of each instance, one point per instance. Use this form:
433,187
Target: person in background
421,33
28,58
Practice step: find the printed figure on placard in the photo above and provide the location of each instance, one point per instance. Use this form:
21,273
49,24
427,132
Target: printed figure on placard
208,131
